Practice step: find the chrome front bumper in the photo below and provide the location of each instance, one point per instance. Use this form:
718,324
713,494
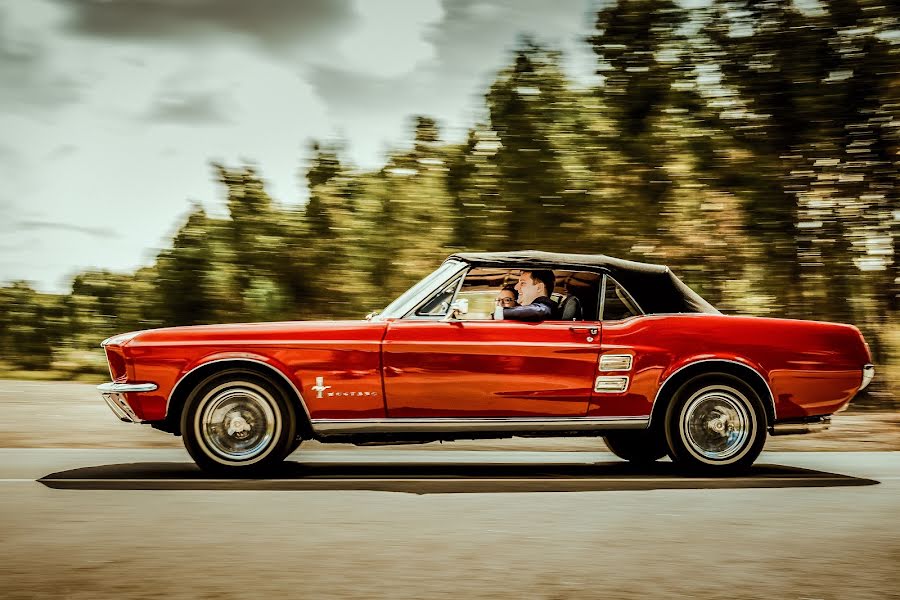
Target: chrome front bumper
114,395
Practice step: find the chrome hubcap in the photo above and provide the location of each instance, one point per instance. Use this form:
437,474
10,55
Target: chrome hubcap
238,423
716,423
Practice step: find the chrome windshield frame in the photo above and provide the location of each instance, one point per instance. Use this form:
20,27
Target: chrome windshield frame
418,293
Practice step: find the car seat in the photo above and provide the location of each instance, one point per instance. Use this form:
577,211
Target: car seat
570,309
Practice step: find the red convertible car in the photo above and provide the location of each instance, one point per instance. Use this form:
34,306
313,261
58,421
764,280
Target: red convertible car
635,356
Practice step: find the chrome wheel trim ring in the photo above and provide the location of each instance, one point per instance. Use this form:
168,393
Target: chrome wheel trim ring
717,425
237,423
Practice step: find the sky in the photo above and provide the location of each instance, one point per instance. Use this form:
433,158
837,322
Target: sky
111,111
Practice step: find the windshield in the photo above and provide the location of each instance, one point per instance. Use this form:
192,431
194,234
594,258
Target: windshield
400,306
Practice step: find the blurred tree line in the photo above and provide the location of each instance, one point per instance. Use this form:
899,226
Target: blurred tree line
751,145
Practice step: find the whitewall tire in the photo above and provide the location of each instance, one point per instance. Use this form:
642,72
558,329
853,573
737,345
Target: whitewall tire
237,422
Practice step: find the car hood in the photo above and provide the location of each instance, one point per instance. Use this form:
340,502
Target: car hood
259,333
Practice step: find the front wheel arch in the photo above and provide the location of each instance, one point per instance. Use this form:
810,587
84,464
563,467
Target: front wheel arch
195,376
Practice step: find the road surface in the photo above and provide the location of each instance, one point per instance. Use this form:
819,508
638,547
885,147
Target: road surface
408,523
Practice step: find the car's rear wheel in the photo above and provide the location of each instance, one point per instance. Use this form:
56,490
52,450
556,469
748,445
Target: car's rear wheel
638,447
715,424
238,422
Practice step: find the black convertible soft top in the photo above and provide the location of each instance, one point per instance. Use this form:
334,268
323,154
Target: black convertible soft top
654,287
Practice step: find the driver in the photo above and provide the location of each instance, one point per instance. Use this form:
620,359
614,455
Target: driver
534,289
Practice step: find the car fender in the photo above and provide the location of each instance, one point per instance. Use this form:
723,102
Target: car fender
237,358
751,371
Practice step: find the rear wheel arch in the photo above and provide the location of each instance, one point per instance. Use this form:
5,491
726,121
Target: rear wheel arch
197,375
745,373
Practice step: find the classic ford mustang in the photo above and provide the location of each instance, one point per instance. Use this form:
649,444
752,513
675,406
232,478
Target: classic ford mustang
635,356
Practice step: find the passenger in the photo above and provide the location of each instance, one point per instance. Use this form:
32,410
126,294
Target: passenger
534,289
507,298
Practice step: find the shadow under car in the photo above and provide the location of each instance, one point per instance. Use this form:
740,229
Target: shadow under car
423,477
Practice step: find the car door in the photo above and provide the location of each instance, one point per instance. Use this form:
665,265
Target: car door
512,369
631,356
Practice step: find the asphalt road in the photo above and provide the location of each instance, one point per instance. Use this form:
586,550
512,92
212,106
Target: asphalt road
401,523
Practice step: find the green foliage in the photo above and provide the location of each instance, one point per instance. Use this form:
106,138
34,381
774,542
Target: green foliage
29,325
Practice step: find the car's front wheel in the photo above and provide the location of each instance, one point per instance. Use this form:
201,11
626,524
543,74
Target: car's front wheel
637,447
238,422
715,424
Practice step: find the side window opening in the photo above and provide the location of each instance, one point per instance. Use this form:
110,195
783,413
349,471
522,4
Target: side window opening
482,285
617,303
581,289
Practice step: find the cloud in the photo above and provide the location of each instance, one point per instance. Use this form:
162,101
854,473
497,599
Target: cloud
389,38
275,24
98,97
7,212
30,79
470,42
62,151
347,90
99,232
479,34
8,156
189,107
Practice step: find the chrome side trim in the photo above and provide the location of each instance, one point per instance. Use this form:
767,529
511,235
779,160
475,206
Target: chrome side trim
120,339
602,297
796,428
326,427
239,360
122,388
720,360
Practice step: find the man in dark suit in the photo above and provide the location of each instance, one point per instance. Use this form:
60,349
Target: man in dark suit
534,289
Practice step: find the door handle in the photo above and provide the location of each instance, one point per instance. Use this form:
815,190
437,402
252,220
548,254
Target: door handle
588,330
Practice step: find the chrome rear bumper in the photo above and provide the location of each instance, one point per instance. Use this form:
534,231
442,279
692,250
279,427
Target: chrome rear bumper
867,375
114,395
815,425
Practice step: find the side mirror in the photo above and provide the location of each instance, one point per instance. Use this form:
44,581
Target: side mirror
459,307
372,315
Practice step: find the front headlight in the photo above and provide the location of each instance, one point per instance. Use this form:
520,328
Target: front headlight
119,340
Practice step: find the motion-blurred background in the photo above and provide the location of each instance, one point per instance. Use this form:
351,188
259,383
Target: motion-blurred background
752,146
